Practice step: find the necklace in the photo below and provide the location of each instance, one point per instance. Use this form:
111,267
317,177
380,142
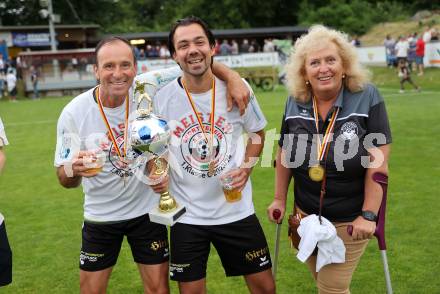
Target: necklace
121,155
211,165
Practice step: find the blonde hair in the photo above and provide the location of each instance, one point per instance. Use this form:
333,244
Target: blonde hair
356,76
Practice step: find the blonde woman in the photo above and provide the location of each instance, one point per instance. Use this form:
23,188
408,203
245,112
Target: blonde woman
330,93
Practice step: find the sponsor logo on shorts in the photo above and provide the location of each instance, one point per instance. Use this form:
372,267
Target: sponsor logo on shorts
178,268
159,244
264,260
89,257
258,255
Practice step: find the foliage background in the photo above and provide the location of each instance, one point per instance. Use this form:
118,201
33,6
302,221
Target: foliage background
117,16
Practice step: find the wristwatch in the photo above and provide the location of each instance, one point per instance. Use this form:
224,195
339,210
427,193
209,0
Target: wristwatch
369,215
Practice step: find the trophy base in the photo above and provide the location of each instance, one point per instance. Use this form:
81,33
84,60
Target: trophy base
167,218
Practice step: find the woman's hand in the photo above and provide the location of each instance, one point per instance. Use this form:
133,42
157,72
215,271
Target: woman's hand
276,204
363,229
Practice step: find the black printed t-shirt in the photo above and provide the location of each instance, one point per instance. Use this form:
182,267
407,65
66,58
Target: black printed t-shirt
362,123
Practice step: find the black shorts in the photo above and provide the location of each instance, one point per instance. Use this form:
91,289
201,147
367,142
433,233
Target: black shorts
101,243
241,246
5,257
13,92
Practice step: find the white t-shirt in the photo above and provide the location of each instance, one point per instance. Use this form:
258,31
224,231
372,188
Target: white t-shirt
402,48
202,195
106,197
427,36
3,139
11,79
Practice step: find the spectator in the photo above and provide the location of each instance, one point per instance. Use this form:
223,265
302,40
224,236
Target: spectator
34,80
244,48
156,50
268,46
389,44
2,64
234,47
11,79
356,42
412,40
2,84
163,51
149,51
225,48
434,34
254,46
402,49
420,54
142,54
137,53
427,35
404,74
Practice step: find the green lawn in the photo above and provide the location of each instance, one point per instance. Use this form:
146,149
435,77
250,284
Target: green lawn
44,220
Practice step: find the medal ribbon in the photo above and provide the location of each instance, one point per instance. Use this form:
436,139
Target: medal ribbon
321,147
112,136
211,117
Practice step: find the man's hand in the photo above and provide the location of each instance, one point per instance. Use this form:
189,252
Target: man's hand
237,92
159,183
239,177
85,164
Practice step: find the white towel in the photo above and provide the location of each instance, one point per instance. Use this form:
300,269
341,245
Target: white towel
331,248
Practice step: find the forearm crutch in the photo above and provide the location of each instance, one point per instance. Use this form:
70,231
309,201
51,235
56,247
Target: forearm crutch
382,180
276,215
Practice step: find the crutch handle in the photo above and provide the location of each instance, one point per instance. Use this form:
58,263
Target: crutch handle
350,230
276,215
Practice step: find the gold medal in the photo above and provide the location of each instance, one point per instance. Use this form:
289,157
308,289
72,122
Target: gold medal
316,173
208,140
211,168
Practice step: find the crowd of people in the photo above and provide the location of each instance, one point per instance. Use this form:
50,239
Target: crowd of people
222,47
407,54
410,48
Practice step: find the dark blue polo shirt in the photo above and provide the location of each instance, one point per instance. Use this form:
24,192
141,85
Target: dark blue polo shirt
362,123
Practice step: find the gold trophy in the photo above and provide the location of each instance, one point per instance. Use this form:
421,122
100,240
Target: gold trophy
149,133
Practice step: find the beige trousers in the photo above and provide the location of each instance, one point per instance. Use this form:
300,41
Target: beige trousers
336,278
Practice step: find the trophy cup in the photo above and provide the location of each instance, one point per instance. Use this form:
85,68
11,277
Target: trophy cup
150,134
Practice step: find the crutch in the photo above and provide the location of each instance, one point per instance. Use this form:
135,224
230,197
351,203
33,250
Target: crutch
382,180
276,215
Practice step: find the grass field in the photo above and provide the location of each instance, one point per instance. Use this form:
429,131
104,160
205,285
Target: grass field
44,220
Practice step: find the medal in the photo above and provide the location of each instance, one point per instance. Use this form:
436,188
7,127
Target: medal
316,173
121,155
210,142
211,168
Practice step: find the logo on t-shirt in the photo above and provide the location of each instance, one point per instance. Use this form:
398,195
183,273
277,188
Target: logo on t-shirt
66,145
126,167
349,130
196,151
